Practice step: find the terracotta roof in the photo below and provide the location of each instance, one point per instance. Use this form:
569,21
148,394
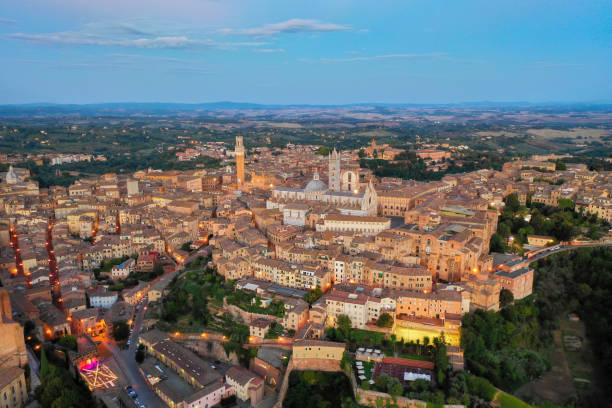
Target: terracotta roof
427,365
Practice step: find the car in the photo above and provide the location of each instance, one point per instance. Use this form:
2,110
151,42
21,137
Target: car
213,366
128,342
217,362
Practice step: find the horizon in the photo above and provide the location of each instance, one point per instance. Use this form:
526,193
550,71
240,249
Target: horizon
321,53
466,104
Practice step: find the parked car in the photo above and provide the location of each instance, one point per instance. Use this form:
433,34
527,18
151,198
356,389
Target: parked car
131,392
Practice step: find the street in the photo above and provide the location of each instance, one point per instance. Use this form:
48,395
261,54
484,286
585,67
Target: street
126,361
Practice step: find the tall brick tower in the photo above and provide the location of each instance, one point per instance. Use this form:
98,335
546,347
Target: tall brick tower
239,150
334,171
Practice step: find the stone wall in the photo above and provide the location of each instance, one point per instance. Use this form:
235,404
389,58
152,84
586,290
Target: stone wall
302,364
369,398
248,317
217,352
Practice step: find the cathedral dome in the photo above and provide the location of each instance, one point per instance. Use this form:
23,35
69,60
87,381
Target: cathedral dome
315,184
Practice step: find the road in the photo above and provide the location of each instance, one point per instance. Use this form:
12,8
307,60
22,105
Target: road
563,248
129,367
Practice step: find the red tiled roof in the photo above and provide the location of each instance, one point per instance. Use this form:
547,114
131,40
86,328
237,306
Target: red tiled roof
427,365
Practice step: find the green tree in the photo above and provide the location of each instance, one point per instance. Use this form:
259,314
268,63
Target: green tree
482,388
312,295
68,341
158,269
505,297
44,363
504,230
140,354
512,202
186,246
441,362
565,203
560,166
381,382
498,244
344,325
323,151
394,388
385,320
121,330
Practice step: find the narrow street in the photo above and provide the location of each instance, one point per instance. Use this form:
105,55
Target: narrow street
125,359
53,274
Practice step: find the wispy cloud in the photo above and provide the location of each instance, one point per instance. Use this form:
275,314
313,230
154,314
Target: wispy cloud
88,39
145,57
384,57
81,38
7,21
269,50
294,25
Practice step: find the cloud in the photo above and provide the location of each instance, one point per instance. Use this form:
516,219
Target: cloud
269,50
145,57
7,21
385,56
294,25
90,39
81,38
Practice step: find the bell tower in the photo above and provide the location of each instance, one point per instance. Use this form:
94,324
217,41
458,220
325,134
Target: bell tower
239,151
334,171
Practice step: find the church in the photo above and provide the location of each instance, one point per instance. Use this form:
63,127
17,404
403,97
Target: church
342,192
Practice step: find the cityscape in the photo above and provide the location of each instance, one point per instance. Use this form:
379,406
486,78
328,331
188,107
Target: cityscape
248,232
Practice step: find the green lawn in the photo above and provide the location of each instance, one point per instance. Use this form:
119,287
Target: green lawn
509,401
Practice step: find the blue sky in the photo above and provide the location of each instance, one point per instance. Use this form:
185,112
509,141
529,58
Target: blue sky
320,52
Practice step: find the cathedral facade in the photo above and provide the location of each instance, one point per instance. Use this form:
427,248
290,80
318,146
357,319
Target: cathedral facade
342,192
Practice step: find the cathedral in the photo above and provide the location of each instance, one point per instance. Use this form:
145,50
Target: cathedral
342,192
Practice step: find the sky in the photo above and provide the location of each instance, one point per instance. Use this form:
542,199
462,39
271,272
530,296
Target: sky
305,52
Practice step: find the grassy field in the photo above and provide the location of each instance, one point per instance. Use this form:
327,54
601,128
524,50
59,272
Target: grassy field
584,133
508,401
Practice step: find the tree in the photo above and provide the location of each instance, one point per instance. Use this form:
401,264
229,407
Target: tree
394,388
441,362
381,382
559,165
565,203
121,330
385,320
505,297
344,325
140,354
498,244
482,388
68,341
158,269
323,151
44,363
312,296
512,202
